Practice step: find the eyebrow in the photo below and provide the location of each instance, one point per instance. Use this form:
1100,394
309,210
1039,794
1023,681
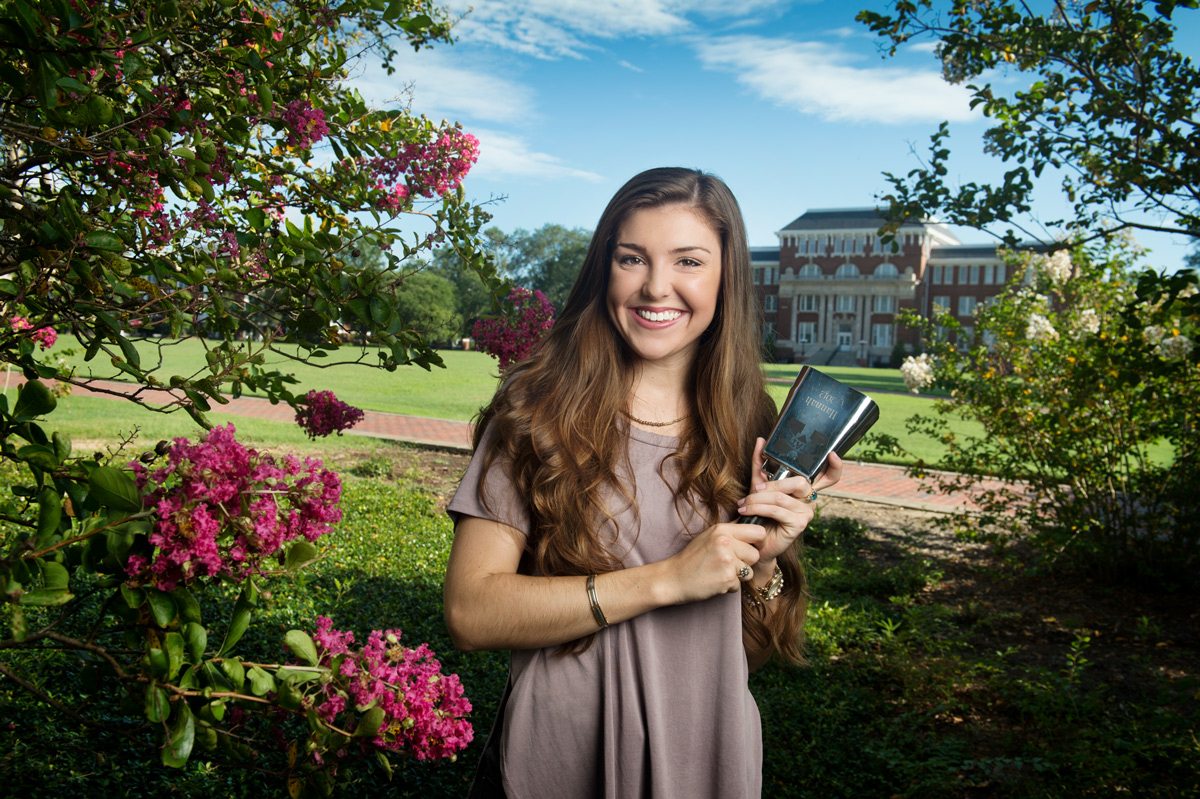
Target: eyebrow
677,250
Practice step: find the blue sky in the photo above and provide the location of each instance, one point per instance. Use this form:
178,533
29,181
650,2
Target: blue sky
790,102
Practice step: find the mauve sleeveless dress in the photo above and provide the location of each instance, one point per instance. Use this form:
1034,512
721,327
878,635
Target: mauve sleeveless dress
658,706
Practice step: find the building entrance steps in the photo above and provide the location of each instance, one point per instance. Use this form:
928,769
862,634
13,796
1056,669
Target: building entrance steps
866,482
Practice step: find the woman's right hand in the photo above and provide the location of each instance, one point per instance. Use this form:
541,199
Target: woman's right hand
711,562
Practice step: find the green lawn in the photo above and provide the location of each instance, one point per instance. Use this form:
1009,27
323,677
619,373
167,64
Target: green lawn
456,392
915,688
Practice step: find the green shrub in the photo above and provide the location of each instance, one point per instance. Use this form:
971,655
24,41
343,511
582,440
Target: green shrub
1086,391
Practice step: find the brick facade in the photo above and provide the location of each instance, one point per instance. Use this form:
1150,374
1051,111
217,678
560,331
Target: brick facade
831,293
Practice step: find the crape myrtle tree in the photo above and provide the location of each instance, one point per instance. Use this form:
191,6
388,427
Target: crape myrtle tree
1089,423
1110,105
1085,376
200,167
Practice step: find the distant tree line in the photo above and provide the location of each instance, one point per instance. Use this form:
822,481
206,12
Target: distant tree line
442,299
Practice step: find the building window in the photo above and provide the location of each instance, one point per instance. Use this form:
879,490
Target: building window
989,275
881,335
809,271
771,303
937,276
885,305
1001,273
966,306
847,270
941,302
972,275
807,303
845,303
758,277
806,332
886,271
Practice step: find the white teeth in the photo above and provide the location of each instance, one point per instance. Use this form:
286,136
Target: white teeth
660,316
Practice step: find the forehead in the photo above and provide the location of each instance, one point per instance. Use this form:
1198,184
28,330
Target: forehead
672,226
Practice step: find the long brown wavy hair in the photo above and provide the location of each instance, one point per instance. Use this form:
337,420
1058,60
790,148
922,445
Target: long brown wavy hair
556,415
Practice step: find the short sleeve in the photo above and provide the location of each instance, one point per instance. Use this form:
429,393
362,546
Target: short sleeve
503,505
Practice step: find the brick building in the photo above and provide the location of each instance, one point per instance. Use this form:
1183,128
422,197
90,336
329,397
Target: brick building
832,295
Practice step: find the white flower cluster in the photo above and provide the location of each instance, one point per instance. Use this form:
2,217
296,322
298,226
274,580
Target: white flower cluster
1058,267
1176,348
1089,321
1040,329
1173,347
917,372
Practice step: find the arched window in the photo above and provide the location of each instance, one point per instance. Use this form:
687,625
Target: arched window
884,271
809,271
847,270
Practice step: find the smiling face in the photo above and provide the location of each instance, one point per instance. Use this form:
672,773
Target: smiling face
664,282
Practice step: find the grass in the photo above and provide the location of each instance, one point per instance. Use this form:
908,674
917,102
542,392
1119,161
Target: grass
458,391
908,693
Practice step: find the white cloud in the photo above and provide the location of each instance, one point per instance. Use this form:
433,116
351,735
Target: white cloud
503,155
816,78
557,28
629,66
440,88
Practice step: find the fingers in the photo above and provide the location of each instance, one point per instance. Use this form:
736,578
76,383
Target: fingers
831,474
759,461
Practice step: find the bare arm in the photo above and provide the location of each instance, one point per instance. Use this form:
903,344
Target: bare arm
489,606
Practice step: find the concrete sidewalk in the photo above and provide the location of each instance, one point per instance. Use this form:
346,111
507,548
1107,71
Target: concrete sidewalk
866,482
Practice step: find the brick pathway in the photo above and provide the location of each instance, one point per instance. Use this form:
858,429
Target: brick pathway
868,482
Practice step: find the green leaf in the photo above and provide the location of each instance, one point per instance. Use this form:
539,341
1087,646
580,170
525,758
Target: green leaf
104,240
44,84
134,597
50,509
33,399
235,671
46,597
261,682
162,607
237,625
54,575
130,352
62,446
189,608
301,645
175,653
369,724
115,489
42,457
158,706
196,638
157,660
299,554
178,746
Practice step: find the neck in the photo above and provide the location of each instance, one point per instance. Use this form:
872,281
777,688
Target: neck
658,394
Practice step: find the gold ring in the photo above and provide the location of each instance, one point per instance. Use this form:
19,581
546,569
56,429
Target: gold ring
744,573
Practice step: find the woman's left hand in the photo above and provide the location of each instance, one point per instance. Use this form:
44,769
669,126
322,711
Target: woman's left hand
784,502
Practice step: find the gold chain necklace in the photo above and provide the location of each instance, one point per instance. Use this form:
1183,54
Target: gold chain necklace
633,418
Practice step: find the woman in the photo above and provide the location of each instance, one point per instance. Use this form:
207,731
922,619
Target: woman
592,532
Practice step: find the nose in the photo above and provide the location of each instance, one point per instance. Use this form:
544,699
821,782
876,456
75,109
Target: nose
657,283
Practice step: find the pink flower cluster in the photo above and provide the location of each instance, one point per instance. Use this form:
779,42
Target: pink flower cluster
423,709
324,414
425,168
306,125
46,336
221,508
510,339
